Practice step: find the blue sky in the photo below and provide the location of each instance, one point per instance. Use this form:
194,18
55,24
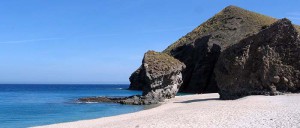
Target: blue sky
101,41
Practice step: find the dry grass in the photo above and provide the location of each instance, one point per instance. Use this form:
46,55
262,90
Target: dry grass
297,28
231,20
160,61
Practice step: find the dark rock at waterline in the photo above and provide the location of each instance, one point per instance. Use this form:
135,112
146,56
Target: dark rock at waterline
265,63
131,100
101,99
140,100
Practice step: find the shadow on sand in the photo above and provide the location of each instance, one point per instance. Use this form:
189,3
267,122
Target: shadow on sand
198,100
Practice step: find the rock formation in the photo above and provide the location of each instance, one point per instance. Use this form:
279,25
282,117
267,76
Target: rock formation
236,53
265,63
160,75
199,50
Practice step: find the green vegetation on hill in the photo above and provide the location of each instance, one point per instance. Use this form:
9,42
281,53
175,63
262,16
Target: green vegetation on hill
228,26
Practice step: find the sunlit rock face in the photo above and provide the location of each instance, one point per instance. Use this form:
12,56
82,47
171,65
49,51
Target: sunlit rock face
160,77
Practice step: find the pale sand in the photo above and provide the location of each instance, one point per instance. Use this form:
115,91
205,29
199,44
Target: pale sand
197,111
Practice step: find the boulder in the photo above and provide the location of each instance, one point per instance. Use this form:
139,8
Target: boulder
162,74
159,77
265,63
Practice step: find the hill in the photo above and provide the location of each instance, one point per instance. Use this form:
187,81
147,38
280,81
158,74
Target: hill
200,49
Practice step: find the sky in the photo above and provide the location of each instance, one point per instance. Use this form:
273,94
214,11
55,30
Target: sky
101,41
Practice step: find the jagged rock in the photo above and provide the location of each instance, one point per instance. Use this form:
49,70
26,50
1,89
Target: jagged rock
265,63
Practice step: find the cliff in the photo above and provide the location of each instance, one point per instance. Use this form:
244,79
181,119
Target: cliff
236,53
199,50
265,63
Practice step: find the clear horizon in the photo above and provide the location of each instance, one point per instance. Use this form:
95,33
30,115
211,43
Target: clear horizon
101,42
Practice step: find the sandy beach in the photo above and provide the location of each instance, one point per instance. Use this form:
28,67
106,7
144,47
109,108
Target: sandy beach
205,110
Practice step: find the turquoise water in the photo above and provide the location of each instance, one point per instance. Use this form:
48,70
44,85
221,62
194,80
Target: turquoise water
33,105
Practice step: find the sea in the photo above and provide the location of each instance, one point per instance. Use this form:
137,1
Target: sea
28,105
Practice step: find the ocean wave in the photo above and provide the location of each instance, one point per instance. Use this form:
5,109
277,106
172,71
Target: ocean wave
81,102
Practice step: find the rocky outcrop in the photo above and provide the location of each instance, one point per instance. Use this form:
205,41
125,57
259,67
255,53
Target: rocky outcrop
199,50
265,63
160,75
236,53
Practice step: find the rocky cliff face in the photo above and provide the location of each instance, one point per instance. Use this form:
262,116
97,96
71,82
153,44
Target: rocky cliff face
265,63
200,49
162,74
200,58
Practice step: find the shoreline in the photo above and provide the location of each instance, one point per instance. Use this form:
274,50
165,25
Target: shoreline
205,110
